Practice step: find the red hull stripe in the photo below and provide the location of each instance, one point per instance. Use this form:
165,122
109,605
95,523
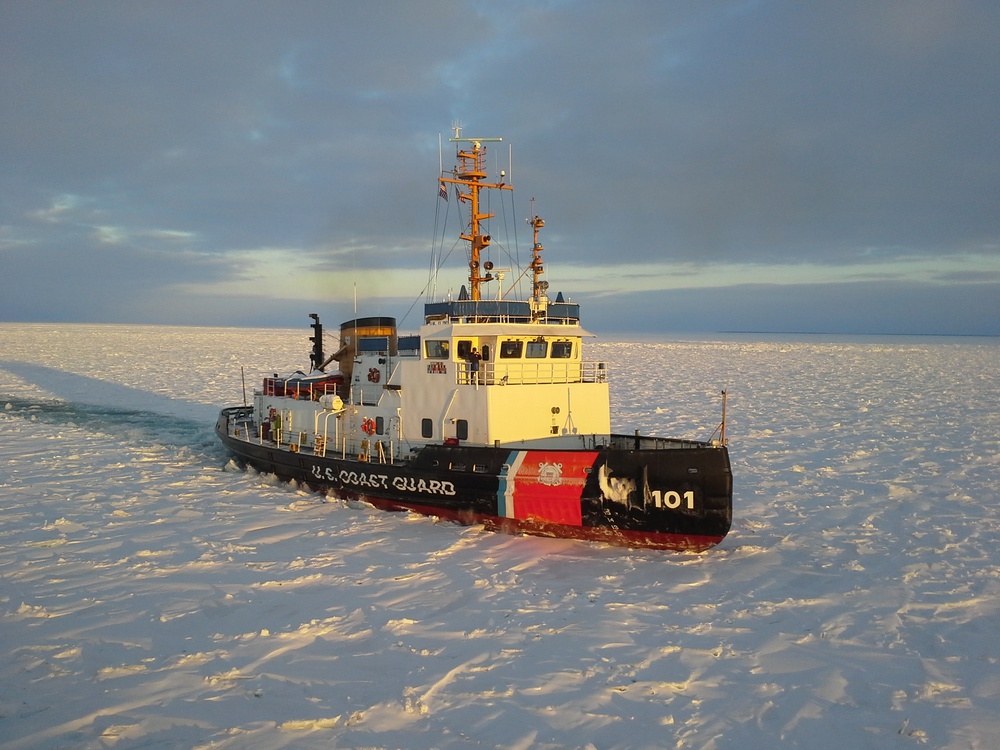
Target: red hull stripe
547,486
617,537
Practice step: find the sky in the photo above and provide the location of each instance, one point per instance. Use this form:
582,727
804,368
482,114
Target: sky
734,165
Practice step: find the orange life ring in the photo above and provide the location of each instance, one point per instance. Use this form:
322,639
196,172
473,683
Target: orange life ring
368,425
374,375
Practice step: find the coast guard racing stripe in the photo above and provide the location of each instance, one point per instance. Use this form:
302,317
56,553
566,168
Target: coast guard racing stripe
545,486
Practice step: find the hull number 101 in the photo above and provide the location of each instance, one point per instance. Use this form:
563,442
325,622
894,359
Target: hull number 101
671,499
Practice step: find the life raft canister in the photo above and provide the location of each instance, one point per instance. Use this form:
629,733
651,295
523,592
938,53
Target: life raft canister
374,375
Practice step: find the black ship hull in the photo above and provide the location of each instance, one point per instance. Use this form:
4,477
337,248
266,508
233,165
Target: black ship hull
624,490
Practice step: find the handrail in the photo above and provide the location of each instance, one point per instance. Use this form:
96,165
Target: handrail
298,390
543,372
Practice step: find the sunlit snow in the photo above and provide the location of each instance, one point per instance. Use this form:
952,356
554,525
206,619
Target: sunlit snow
152,594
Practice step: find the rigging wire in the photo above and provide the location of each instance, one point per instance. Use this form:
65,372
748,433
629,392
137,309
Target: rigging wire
429,290
435,253
513,216
517,251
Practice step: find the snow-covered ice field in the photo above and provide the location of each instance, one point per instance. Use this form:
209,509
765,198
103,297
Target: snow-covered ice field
154,595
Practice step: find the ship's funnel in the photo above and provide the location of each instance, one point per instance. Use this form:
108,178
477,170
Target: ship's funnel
352,330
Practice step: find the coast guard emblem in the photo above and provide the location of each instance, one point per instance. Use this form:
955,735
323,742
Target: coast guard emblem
550,474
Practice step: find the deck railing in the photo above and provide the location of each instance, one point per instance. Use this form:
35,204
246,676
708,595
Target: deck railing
299,390
542,372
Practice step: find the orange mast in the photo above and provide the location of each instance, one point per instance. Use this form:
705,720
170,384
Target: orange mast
471,174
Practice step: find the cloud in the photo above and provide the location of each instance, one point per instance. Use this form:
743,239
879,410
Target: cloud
880,308
695,145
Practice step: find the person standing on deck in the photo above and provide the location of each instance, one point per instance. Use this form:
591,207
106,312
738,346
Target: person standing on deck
474,358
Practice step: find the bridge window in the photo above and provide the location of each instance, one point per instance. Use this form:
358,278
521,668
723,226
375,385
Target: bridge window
562,349
537,349
464,346
511,349
436,349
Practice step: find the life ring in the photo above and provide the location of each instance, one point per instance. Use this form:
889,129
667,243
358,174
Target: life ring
368,425
374,375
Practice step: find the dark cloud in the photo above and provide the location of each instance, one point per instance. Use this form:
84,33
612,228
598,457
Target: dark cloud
866,307
149,147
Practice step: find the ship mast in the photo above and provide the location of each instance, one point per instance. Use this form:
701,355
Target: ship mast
470,174
539,288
